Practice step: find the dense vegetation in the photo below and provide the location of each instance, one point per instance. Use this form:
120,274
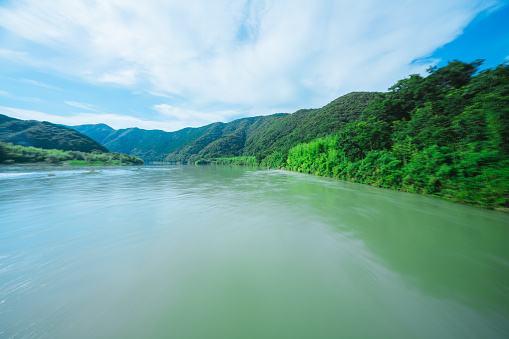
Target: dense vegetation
10,153
271,135
45,135
239,161
444,135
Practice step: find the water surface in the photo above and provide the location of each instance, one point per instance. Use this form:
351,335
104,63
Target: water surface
229,252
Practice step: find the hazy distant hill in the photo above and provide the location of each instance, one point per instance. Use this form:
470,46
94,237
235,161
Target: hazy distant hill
247,136
98,132
45,135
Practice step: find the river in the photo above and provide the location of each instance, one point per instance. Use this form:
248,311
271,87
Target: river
231,252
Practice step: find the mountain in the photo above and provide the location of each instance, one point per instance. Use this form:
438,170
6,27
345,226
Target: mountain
247,136
444,135
45,135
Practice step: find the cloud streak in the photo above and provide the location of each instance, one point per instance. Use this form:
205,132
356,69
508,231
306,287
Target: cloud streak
88,107
40,84
18,98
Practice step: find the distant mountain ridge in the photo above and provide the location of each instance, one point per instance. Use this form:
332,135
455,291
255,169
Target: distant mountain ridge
45,135
246,136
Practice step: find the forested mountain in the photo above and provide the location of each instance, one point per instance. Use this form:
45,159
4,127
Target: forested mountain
444,135
45,135
265,135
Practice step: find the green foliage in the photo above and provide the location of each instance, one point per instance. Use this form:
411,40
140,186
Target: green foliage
3,153
275,159
10,153
240,161
446,135
202,162
259,157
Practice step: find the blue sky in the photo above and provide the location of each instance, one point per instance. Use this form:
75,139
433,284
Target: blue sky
173,64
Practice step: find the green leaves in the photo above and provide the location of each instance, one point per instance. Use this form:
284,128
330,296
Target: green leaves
446,135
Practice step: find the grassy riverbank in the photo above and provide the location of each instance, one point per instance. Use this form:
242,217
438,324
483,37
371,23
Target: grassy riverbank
240,161
16,154
469,177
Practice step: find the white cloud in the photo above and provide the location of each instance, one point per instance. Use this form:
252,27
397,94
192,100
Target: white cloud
273,53
40,84
12,55
191,117
124,78
88,107
157,94
19,98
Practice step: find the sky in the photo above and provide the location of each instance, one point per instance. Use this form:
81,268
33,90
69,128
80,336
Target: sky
170,64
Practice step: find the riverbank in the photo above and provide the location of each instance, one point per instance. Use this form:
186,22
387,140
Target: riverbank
486,188
17,154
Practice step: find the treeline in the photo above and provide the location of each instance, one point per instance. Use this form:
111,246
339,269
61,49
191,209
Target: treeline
239,161
10,154
444,135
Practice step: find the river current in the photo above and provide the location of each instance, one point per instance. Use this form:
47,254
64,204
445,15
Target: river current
232,252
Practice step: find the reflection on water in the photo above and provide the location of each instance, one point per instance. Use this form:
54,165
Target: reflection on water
228,252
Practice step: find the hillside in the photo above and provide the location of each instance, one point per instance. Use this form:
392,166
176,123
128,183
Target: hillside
444,135
243,137
151,145
45,135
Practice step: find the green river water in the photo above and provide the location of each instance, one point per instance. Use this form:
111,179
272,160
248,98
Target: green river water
230,252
